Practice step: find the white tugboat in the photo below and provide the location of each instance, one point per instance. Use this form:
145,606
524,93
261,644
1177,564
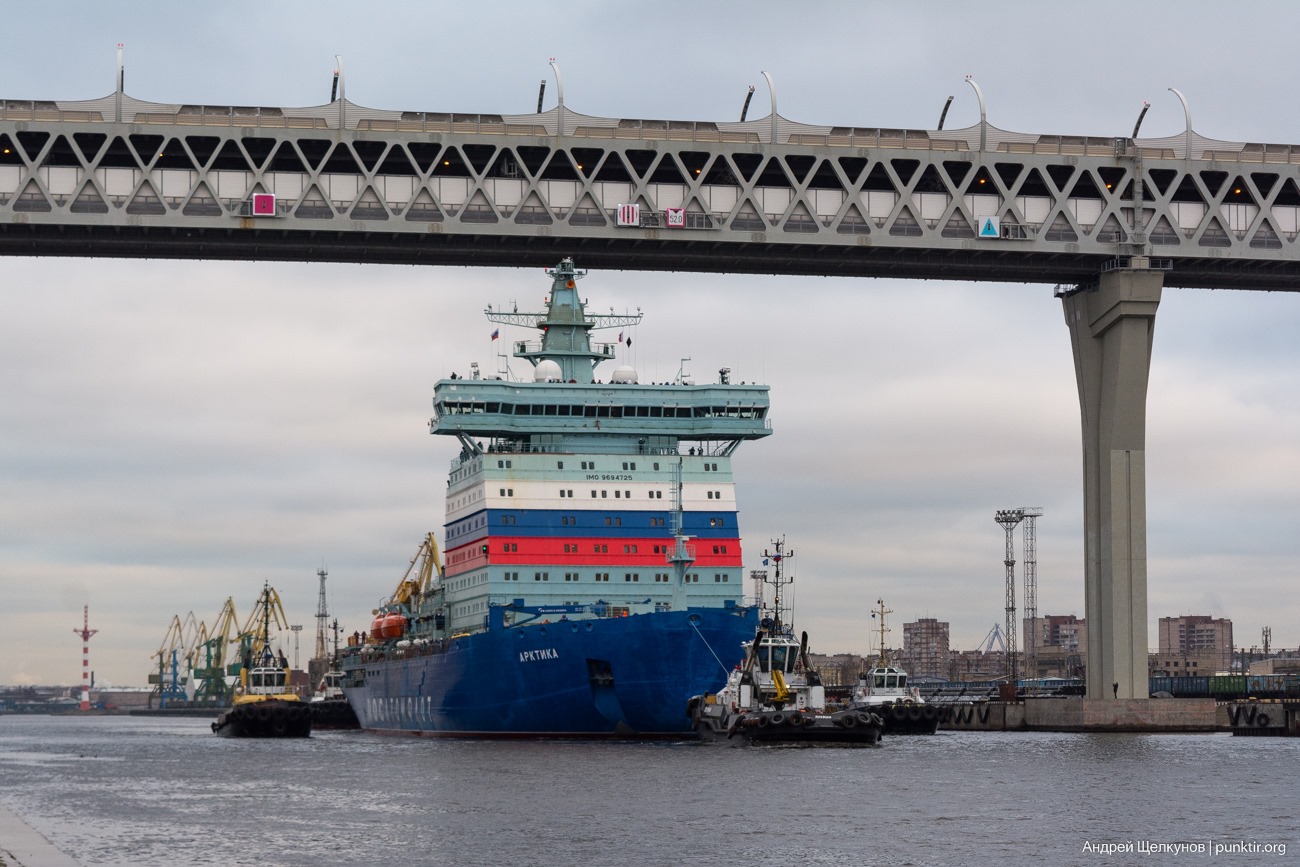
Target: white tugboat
775,696
883,690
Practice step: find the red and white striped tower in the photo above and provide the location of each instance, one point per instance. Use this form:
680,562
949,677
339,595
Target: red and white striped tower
85,632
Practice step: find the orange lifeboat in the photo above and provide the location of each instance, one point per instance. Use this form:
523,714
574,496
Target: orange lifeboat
377,627
393,625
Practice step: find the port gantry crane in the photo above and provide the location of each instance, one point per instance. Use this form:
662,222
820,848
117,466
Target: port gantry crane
175,657
213,686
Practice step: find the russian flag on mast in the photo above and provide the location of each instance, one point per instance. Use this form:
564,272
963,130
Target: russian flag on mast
496,332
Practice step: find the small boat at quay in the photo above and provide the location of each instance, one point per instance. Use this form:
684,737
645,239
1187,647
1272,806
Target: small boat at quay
884,691
775,696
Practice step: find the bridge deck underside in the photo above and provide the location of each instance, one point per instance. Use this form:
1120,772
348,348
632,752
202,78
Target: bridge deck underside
628,253
919,205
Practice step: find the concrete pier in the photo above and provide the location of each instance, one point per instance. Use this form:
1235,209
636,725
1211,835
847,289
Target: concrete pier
1111,328
21,845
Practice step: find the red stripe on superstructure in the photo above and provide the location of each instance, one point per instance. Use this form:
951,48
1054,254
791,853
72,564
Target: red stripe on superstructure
640,552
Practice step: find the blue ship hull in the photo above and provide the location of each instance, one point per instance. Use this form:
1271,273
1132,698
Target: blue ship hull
610,677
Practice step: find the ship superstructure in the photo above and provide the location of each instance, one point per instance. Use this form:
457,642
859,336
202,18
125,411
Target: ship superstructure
605,506
567,490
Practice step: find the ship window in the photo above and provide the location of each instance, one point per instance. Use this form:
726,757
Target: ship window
593,494
618,494
559,465
656,465
779,657
604,494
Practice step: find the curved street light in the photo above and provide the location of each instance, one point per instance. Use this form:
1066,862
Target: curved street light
1187,115
559,96
979,94
771,89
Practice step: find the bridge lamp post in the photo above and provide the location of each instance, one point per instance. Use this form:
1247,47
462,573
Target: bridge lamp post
984,120
771,89
1187,115
343,91
559,96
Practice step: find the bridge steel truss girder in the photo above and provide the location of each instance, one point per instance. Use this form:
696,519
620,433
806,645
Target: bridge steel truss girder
821,201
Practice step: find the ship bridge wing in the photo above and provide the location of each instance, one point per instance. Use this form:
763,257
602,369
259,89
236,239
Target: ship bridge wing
504,409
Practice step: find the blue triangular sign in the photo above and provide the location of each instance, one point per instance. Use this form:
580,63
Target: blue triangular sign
988,230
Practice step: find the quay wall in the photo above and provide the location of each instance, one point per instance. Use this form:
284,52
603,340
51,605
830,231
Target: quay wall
1088,715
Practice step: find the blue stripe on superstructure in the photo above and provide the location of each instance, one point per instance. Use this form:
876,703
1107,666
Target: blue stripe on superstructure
588,523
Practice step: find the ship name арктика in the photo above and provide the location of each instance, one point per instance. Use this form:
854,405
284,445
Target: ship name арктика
593,576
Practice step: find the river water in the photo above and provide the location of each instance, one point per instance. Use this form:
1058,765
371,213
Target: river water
164,791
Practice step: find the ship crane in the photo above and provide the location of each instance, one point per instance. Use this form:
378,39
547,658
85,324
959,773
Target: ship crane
414,590
410,590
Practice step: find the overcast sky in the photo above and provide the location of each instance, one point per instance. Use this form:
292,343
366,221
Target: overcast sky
174,433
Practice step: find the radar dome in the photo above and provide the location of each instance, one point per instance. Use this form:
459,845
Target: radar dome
624,375
547,371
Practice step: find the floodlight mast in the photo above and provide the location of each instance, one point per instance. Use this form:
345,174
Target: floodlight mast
1008,519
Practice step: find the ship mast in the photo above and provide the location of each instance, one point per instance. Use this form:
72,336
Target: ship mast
681,554
878,615
778,555
566,328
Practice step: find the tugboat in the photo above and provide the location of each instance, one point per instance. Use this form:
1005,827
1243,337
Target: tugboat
775,696
263,706
330,708
883,690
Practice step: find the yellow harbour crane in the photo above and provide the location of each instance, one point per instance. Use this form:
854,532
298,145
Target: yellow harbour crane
421,580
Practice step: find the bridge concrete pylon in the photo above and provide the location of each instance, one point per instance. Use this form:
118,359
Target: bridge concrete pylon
1111,327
